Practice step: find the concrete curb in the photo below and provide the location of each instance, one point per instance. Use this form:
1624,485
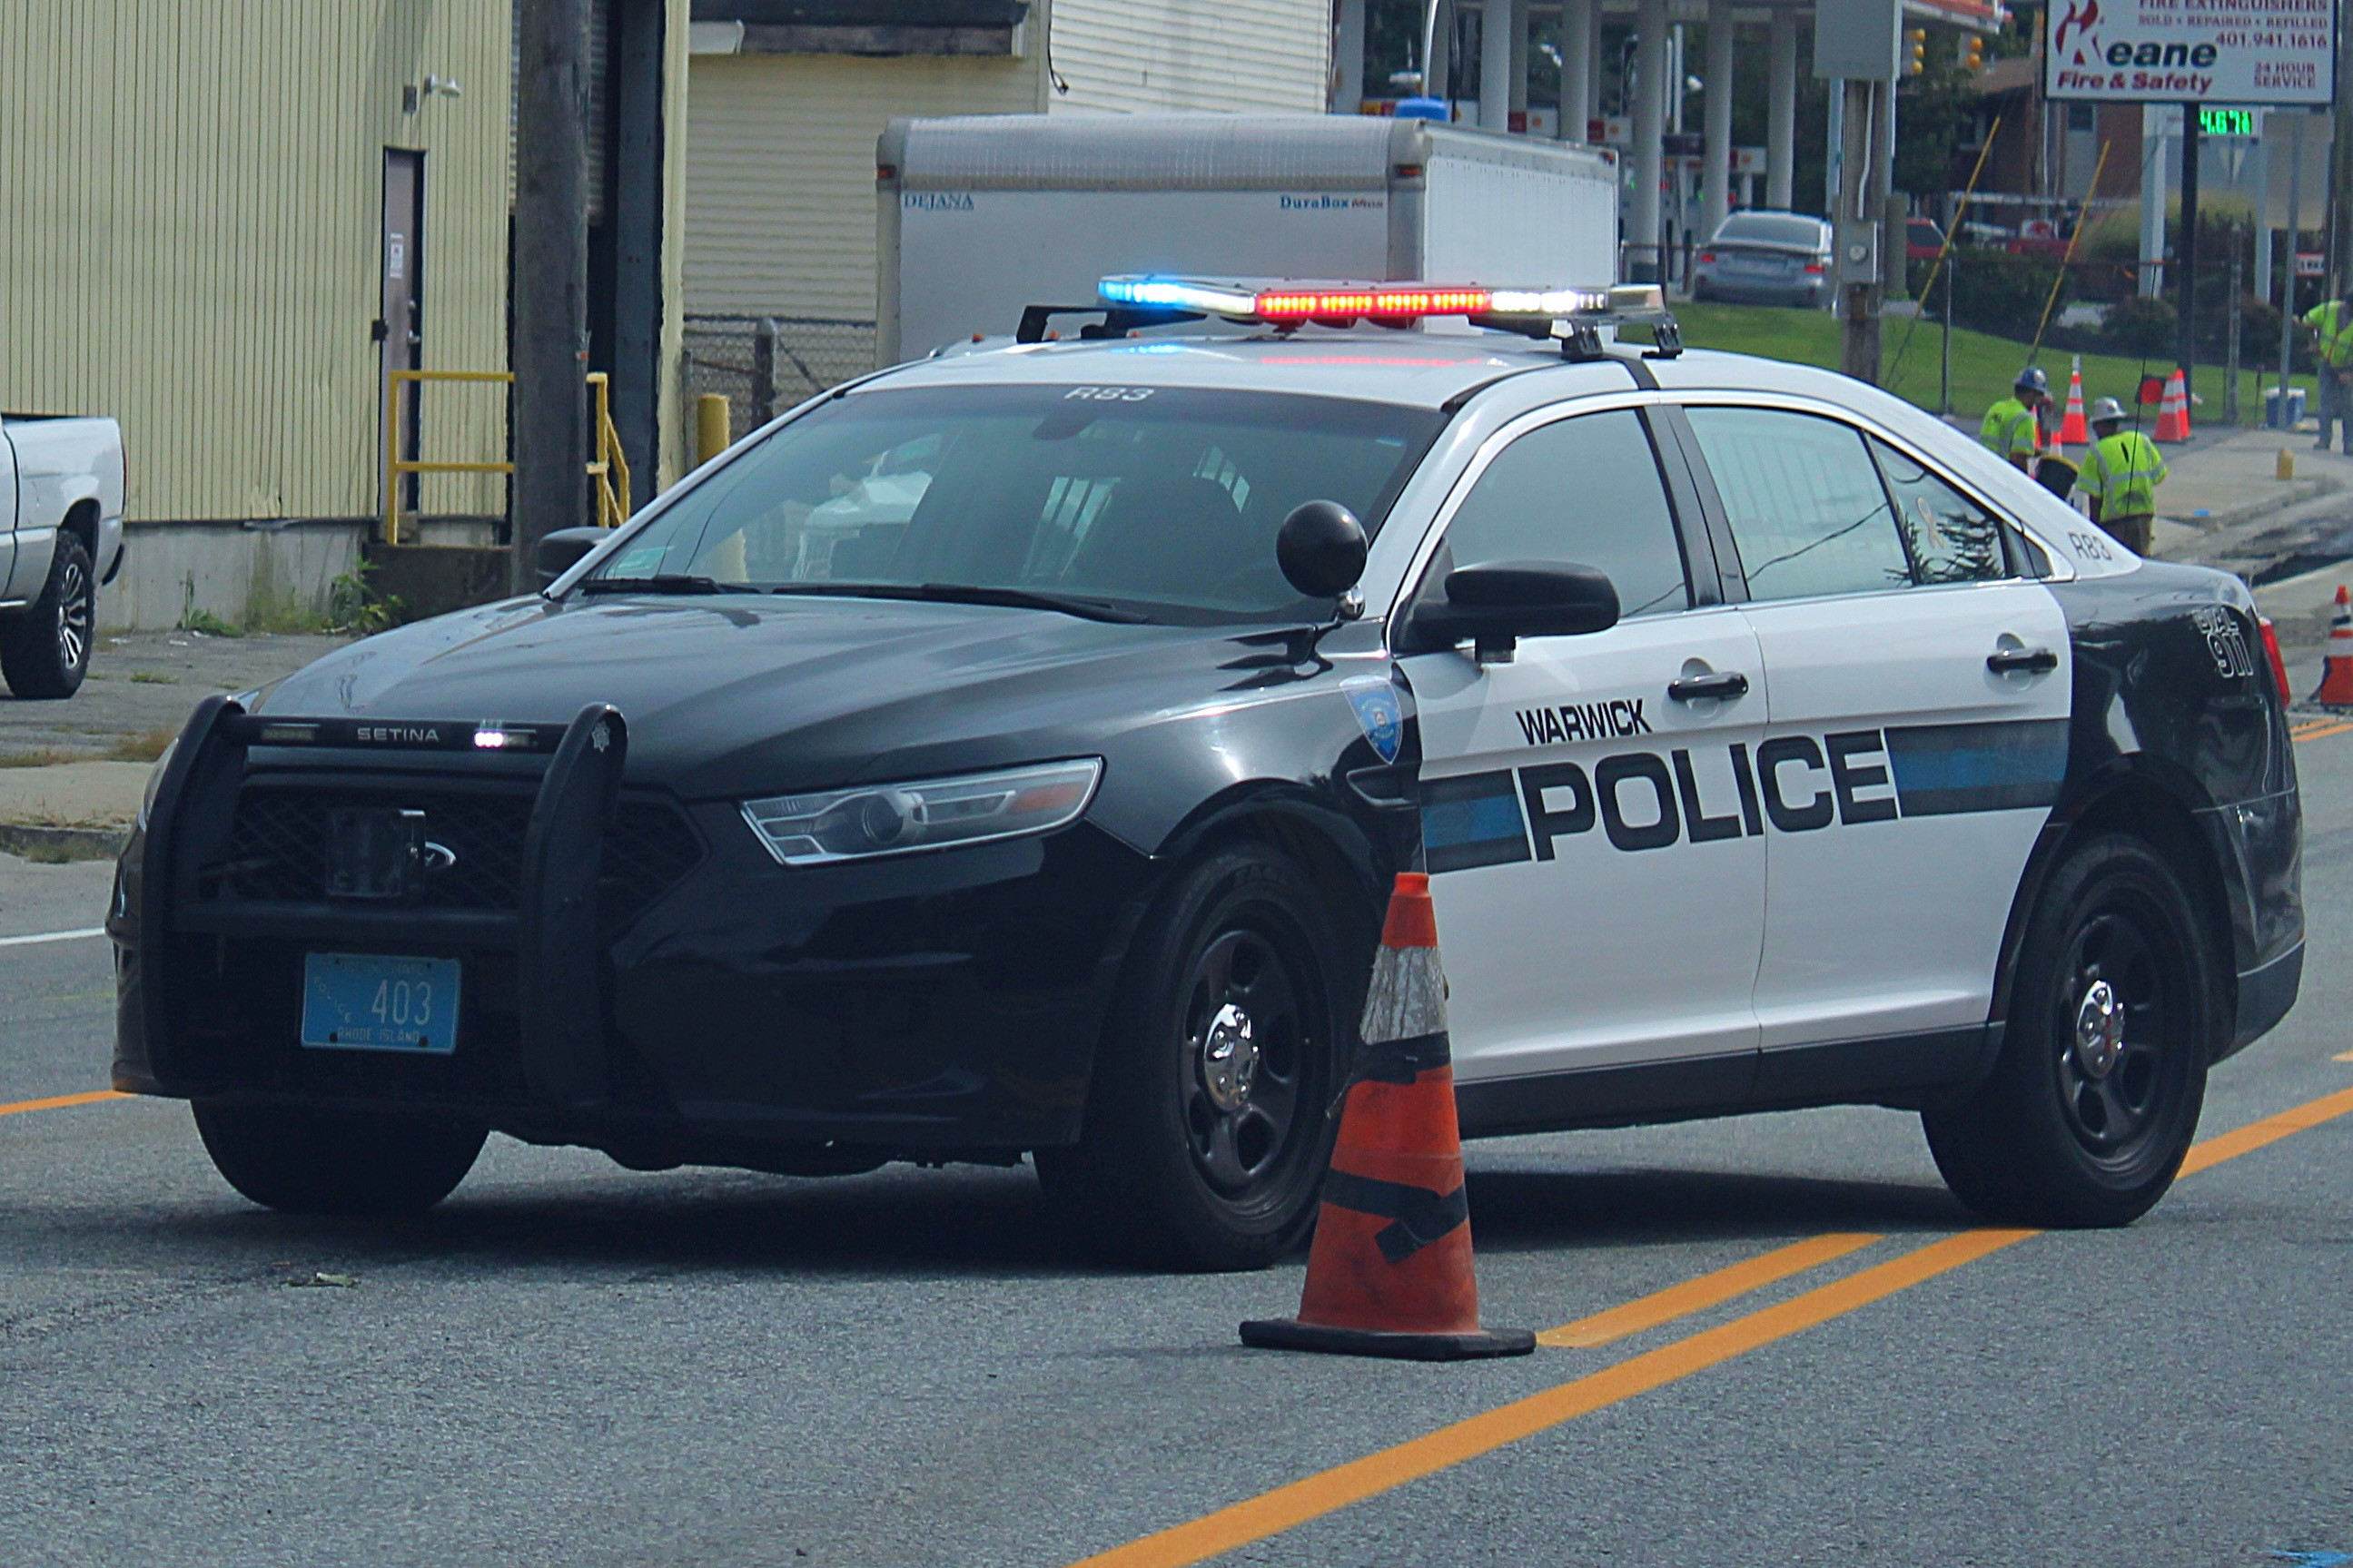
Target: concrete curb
2296,493
52,845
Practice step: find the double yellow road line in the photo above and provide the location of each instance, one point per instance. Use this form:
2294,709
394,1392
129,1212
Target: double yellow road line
1287,1507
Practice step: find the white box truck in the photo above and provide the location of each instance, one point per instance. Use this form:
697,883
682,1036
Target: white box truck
981,215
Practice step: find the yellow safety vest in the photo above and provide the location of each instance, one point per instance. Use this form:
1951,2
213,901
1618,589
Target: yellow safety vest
2010,429
2124,471
2335,329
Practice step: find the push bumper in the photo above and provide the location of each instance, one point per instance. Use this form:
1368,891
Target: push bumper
947,1002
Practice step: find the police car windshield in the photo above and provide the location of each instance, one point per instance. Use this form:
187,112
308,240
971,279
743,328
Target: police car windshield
1165,501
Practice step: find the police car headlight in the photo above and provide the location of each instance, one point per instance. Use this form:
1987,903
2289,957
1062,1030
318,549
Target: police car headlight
155,781
893,819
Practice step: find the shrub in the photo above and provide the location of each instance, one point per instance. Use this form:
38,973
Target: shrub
1994,291
2139,327
355,604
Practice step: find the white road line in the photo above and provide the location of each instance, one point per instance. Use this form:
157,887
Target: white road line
51,936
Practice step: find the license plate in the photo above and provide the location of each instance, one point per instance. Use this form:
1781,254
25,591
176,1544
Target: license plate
359,1002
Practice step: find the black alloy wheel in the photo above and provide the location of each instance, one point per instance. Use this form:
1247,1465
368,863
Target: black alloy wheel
44,652
1240,1059
1206,1134
2115,1017
2109,1047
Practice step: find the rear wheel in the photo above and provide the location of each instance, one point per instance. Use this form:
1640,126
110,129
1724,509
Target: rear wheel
1206,1133
337,1162
44,651
2092,1104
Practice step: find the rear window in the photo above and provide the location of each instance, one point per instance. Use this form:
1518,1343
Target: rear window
1771,228
1162,500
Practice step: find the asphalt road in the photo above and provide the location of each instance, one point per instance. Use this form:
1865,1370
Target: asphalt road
572,1364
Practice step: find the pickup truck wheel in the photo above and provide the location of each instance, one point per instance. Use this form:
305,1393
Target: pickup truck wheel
337,1162
44,652
2113,1021
1207,1131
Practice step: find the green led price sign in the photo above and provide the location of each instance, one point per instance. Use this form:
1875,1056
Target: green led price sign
2227,122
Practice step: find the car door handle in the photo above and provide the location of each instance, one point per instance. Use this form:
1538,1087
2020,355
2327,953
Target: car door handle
2021,660
1698,687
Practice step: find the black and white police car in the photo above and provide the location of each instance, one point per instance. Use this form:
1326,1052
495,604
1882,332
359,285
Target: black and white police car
1012,751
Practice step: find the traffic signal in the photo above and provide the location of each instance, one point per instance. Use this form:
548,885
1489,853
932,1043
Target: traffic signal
1916,51
1973,52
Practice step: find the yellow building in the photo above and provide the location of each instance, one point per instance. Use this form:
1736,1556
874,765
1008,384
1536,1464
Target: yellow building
224,224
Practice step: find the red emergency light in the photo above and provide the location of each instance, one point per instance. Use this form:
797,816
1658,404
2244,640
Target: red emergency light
1288,305
1296,302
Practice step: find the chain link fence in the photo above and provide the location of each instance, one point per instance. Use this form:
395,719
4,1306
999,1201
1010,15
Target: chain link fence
765,364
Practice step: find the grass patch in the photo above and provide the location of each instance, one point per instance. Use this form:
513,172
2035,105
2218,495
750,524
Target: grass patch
280,613
1983,365
153,678
47,757
143,747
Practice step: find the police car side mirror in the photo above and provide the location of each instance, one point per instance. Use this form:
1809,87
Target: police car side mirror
1321,549
1495,602
563,550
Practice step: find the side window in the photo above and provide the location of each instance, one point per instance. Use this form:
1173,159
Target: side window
1952,538
1805,503
1585,490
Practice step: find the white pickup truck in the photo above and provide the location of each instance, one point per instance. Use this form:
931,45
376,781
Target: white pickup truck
60,520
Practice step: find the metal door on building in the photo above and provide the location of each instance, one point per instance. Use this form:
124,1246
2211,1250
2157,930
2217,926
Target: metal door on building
400,328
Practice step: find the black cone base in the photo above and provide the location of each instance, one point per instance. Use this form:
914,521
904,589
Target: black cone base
1290,1334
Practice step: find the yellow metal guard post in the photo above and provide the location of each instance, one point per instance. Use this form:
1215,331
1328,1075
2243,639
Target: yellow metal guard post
396,466
711,427
610,471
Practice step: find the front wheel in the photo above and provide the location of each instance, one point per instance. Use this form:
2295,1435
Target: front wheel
2087,1116
44,651
1206,1129
337,1162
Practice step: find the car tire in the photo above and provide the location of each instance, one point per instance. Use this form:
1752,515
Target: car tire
44,651
1206,1130
2088,1112
307,1162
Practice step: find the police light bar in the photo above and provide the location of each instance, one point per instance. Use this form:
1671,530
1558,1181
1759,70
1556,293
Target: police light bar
1290,302
1572,317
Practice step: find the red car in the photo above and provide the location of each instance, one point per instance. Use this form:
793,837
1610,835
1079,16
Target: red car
1923,240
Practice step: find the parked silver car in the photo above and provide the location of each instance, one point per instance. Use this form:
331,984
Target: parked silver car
1766,258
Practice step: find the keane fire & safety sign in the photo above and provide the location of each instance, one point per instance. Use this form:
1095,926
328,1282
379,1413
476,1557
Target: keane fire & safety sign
2190,51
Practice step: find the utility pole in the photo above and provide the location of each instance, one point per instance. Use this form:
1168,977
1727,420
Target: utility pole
2340,244
2187,247
550,351
1855,47
2287,267
1860,269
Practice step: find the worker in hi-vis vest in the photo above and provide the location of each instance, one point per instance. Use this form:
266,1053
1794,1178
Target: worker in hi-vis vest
2013,427
2331,321
2121,473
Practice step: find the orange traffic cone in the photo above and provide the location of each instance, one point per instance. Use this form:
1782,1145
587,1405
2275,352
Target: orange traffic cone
2073,430
2337,674
2173,413
1391,1271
